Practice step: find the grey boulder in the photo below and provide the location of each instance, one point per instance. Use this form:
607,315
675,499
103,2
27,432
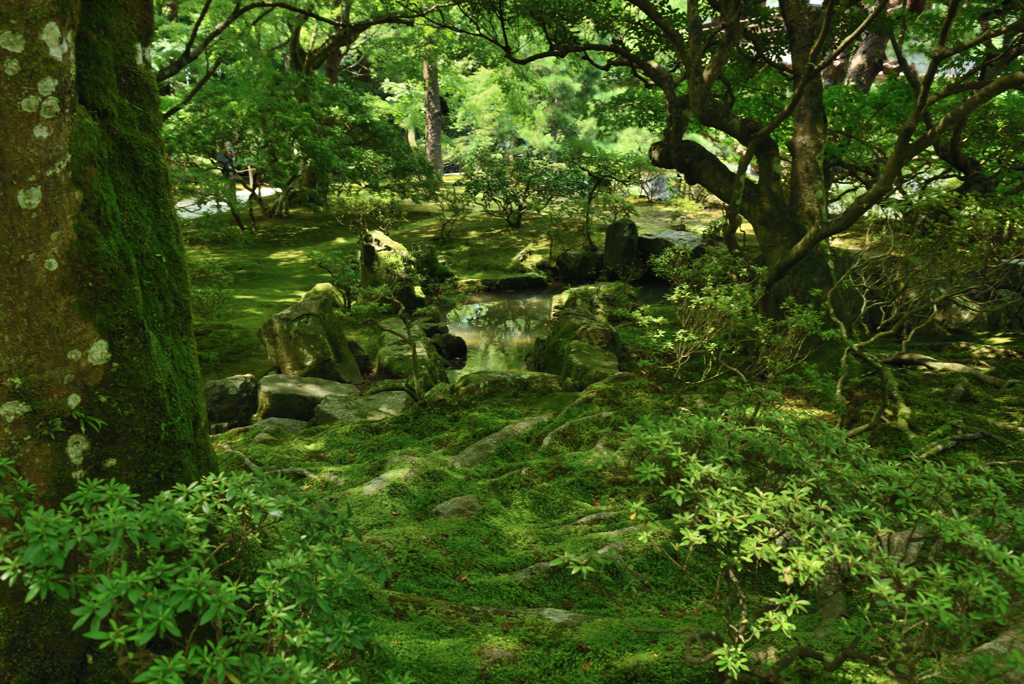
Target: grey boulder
231,400
489,383
289,396
654,244
307,340
621,249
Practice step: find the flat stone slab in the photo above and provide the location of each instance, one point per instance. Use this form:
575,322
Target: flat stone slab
488,383
355,409
291,396
459,507
653,244
480,451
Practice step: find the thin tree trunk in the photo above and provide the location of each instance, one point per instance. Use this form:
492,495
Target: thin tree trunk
95,315
432,109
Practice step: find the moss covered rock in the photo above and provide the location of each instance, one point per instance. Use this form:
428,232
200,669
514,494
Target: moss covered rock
307,340
608,302
394,361
289,396
580,348
584,364
489,383
578,265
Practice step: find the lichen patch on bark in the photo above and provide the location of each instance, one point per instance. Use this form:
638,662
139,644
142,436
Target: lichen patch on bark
30,197
51,36
77,446
46,86
99,353
9,40
14,409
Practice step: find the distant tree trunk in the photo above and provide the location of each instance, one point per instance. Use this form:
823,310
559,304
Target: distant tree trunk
432,109
95,316
410,133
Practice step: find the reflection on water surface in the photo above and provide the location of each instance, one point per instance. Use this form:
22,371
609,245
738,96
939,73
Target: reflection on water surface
500,327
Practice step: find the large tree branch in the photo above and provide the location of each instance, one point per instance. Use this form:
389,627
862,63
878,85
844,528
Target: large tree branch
195,89
903,152
190,54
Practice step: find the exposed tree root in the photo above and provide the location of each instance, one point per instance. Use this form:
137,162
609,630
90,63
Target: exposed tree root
300,472
593,416
950,442
910,359
957,394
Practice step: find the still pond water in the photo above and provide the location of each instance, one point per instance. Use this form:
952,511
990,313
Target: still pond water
500,327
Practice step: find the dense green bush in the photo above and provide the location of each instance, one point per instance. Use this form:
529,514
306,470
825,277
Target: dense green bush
235,578
908,565
509,188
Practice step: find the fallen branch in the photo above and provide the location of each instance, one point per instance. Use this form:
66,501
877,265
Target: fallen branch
1007,426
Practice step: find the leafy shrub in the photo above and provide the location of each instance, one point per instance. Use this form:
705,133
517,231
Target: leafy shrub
715,305
453,203
772,517
159,582
363,213
210,284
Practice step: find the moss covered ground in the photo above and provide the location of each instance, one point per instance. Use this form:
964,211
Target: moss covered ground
452,610
271,270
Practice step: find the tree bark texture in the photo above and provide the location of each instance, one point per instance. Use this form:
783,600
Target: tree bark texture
432,109
95,317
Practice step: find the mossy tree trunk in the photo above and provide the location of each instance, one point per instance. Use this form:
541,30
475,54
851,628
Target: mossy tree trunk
95,316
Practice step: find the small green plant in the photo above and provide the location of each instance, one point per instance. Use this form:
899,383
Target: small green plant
342,269
85,421
52,427
160,582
